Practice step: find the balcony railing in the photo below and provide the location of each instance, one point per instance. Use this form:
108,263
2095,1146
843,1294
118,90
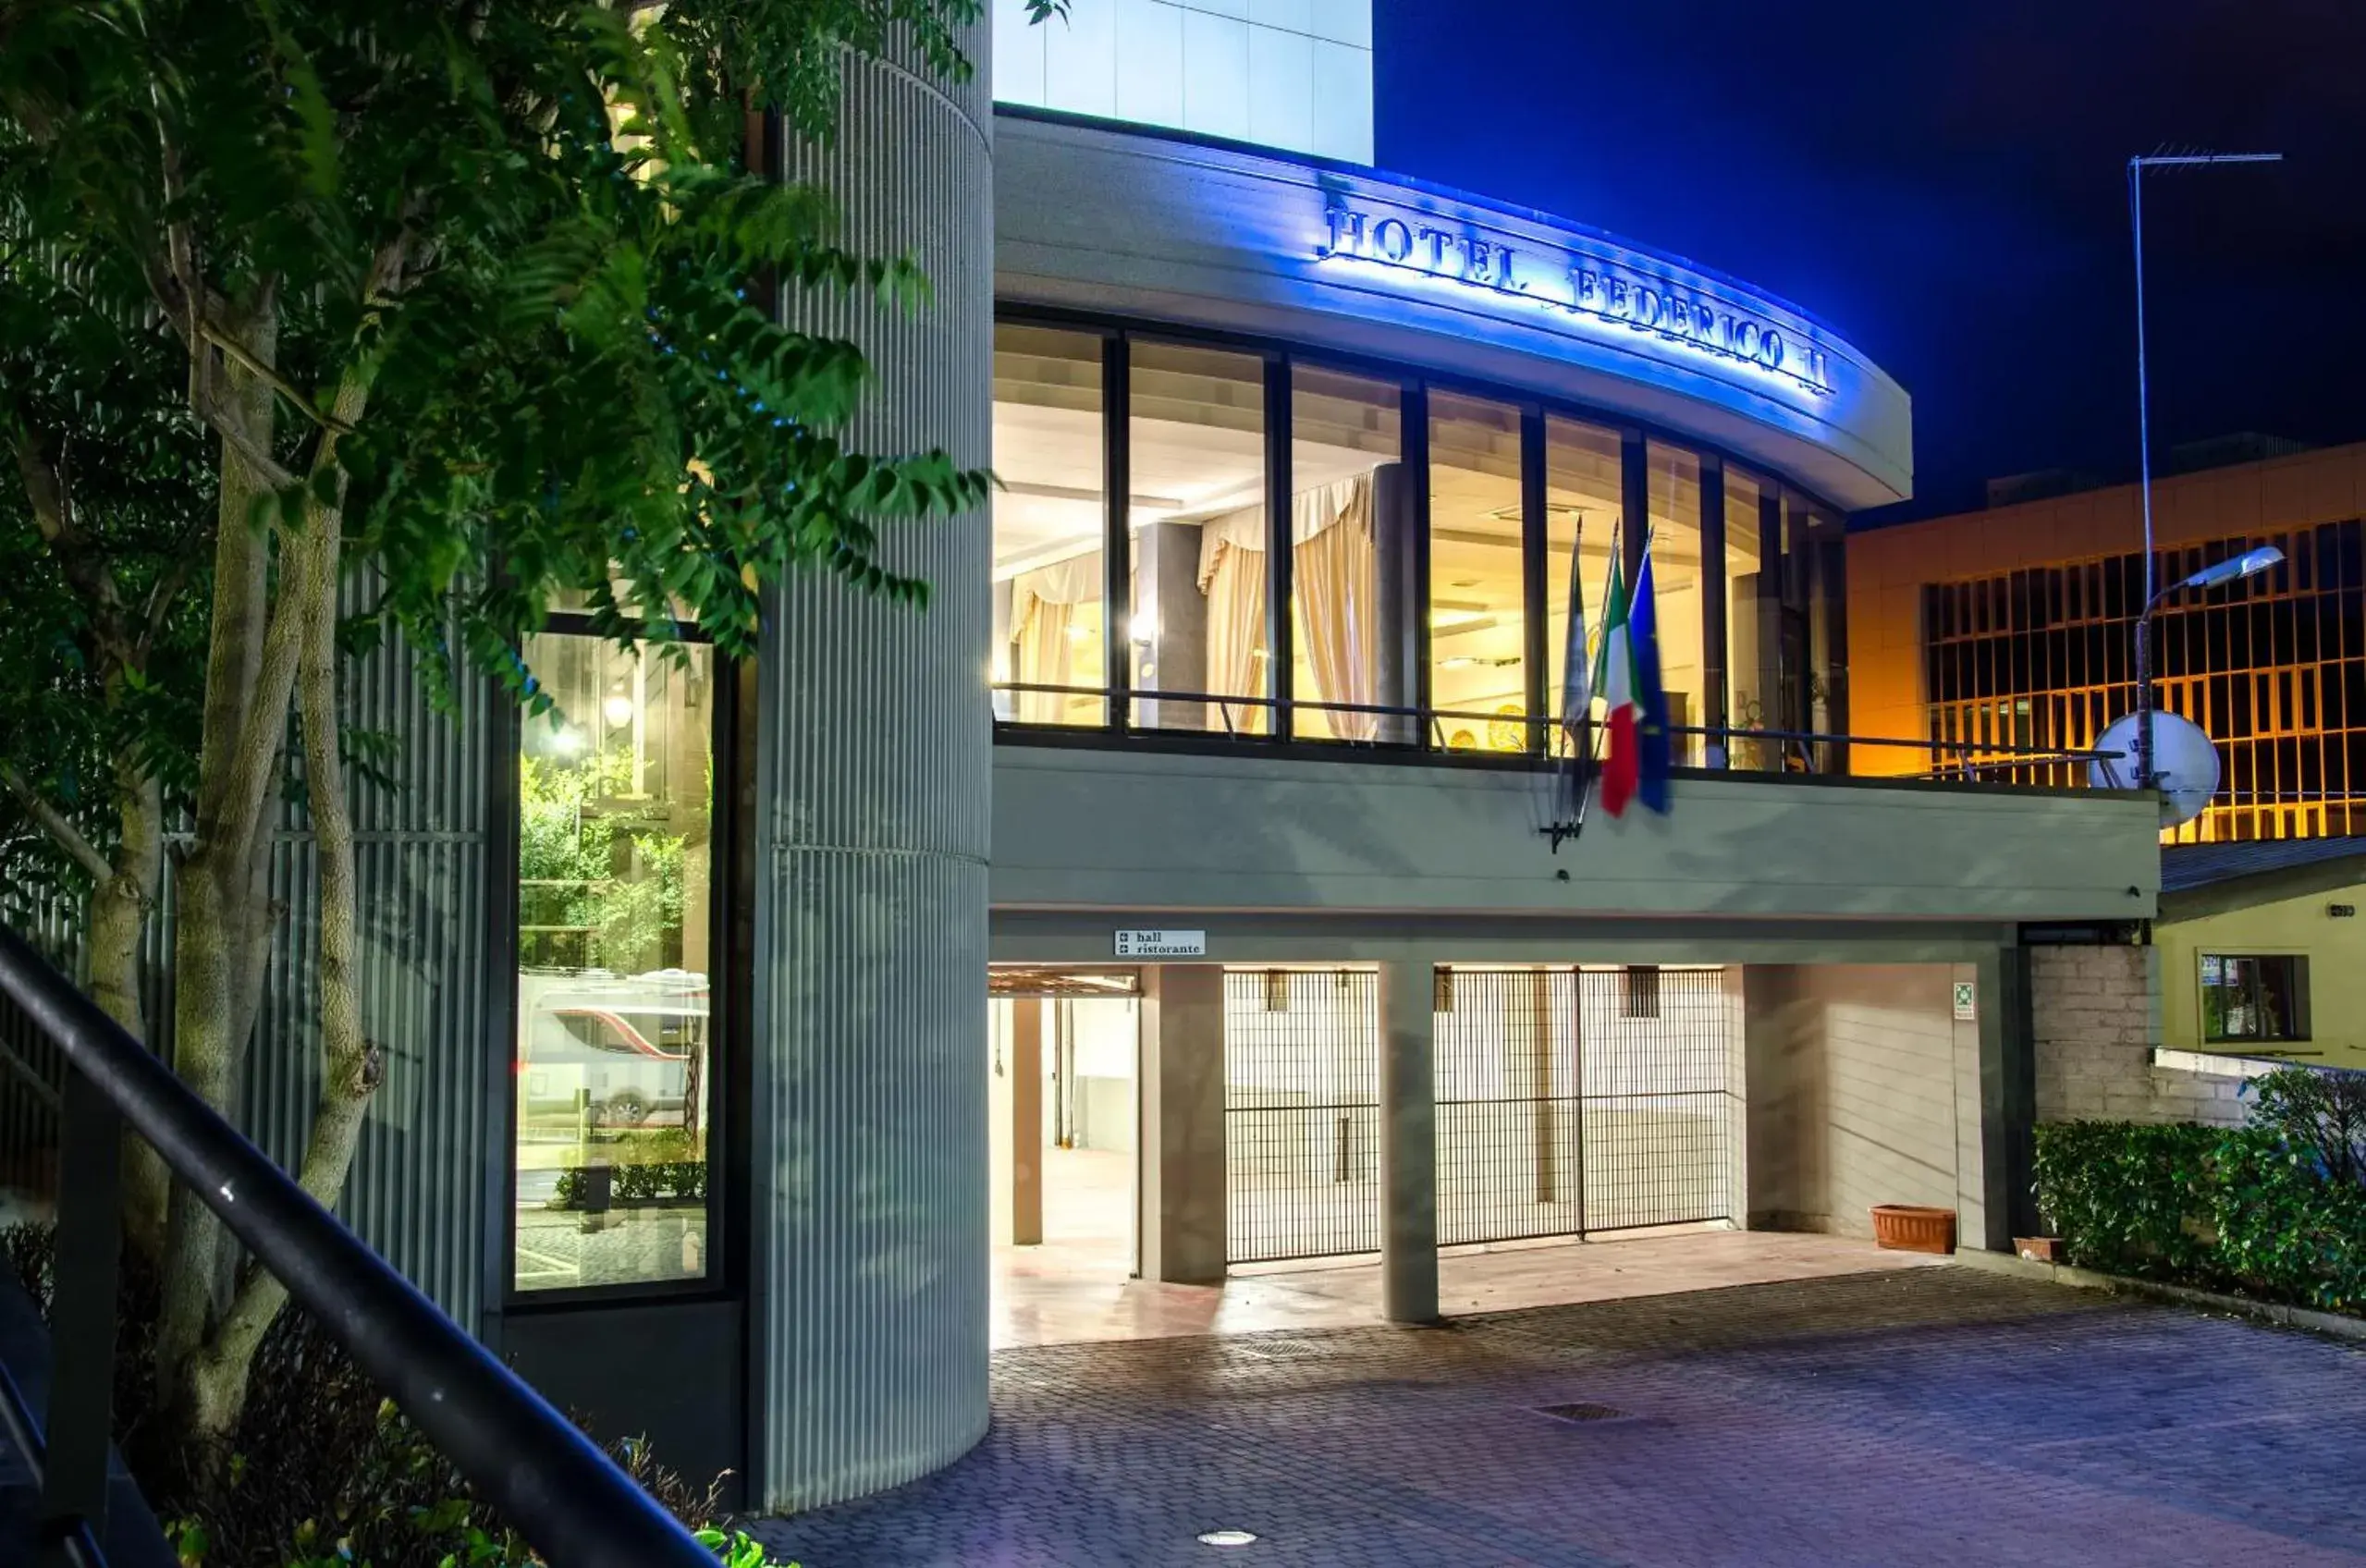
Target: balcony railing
1726,748
551,1483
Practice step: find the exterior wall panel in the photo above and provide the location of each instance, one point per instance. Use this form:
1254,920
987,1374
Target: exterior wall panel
1082,828
873,745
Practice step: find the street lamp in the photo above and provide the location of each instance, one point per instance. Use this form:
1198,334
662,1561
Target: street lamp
2137,168
2233,569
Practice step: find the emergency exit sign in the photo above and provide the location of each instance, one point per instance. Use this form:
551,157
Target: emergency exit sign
1163,944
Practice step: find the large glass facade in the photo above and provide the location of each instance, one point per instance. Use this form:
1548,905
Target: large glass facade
614,1071
1433,536
1477,596
1050,652
1198,520
1350,518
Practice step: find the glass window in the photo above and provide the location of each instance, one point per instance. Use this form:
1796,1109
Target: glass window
1049,522
1582,494
1350,519
1748,654
1675,574
613,1086
1477,606
1198,520
2255,999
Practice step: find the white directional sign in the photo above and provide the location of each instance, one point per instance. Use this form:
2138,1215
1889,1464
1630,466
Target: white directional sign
1163,944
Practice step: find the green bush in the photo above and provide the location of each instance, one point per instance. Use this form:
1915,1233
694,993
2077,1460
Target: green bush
2277,1209
2127,1198
347,1483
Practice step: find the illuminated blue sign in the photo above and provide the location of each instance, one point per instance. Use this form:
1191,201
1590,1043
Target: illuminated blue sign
1593,286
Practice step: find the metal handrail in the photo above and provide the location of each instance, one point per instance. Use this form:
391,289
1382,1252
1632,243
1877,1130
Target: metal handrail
2012,756
546,1479
76,1542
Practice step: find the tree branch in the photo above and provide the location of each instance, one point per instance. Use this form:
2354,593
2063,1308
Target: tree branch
66,835
236,353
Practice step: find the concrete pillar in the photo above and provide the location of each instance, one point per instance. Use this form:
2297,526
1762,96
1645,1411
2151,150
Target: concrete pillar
1025,1197
1408,1143
869,1228
1165,570
1184,1217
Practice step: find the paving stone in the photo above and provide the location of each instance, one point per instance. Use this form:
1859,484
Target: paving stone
1928,1415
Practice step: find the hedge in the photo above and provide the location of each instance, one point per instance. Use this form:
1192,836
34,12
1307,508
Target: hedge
2271,1210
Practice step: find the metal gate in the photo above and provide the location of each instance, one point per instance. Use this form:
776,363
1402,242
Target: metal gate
1302,1114
1572,1101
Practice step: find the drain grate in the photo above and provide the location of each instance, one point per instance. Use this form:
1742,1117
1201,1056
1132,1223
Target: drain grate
1582,1412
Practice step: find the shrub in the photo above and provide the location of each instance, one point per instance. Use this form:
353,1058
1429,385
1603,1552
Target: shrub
2277,1209
2127,1198
348,1482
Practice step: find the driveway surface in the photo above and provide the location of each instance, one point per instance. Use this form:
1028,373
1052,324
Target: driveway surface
1932,1416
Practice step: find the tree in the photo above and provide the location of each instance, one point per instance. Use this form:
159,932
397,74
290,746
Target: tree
465,300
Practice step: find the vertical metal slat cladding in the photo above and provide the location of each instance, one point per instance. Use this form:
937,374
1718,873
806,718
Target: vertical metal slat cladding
874,765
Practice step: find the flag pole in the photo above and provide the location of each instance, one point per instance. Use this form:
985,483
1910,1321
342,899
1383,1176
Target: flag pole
1585,743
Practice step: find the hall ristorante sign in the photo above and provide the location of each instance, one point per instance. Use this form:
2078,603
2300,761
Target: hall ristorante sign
1574,283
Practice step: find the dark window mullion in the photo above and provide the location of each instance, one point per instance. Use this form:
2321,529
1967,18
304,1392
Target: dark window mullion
1416,643
1535,565
1117,539
1279,650
1713,630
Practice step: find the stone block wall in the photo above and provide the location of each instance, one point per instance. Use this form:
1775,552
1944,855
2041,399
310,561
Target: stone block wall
2095,1013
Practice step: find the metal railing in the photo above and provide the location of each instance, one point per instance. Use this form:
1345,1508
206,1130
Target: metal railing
530,1464
1949,759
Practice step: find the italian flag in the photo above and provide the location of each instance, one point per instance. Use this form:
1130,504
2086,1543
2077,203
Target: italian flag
1614,684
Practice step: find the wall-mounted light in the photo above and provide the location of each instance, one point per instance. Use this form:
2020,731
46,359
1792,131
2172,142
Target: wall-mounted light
617,708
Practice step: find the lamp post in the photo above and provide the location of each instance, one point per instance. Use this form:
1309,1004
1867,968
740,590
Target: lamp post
2233,569
2136,167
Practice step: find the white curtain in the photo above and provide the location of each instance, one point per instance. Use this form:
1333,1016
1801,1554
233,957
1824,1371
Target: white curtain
1043,614
1232,575
1338,599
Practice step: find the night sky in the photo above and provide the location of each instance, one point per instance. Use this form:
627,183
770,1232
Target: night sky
1945,183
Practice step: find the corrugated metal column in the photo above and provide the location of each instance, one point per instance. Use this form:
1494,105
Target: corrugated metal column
871,1232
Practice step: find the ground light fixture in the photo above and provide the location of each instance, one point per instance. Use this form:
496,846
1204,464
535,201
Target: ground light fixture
2137,169
1227,1538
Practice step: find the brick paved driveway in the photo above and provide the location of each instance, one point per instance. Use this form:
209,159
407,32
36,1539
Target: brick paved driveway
1936,1415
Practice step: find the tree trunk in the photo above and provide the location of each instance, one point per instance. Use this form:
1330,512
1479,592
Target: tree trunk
350,1071
249,672
119,911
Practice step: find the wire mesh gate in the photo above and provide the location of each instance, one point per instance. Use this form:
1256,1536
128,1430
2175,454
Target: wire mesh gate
1302,1114
1570,1101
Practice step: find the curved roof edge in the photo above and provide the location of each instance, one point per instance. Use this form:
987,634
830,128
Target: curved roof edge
1092,216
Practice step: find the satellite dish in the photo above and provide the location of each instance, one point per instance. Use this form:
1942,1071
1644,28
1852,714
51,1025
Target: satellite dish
2182,756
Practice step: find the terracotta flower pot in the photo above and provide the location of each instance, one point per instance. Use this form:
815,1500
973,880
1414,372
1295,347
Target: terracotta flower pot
1906,1228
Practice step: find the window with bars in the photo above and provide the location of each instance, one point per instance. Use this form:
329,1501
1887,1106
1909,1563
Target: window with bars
2272,668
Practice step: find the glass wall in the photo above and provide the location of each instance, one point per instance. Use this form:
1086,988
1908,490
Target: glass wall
1351,522
1403,543
1478,603
1199,519
1675,576
1048,621
613,1069
1583,497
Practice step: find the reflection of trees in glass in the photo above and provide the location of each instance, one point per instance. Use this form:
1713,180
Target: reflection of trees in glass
601,880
